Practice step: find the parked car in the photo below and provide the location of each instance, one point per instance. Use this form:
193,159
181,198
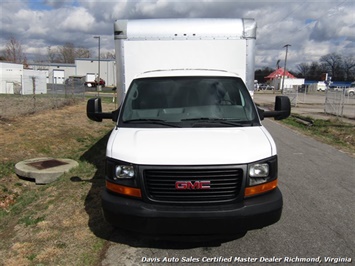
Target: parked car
75,80
266,87
95,83
351,90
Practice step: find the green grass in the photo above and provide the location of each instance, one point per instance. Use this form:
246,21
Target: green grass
6,168
29,220
332,131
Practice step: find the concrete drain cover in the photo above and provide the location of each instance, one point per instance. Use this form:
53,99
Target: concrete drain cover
44,170
40,165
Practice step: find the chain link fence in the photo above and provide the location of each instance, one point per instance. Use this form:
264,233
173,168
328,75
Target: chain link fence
338,103
56,96
292,93
333,101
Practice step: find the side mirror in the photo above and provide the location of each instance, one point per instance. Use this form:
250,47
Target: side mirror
94,111
282,109
283,106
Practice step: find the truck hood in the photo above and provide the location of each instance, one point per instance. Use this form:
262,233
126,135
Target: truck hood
190,146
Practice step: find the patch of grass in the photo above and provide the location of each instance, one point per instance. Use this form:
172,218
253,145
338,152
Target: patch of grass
332,131
31,257
30,220
6,168
22,202
88,258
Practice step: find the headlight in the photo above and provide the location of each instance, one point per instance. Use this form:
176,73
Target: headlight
120,171
124,171
121,178
261,177
259,170
258,173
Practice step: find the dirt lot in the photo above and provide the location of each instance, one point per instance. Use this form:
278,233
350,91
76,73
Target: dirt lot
52,224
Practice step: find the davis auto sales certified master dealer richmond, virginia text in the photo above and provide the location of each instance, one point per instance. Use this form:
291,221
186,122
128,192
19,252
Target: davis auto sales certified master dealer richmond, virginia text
236,259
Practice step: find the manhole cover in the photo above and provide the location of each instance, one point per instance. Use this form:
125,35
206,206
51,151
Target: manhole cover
40,165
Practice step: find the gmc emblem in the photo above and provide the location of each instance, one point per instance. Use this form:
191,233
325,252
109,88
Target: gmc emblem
184,185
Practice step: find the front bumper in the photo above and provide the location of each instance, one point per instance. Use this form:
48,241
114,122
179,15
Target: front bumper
159,220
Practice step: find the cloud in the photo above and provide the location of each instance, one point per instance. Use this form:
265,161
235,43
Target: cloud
79,19
313,28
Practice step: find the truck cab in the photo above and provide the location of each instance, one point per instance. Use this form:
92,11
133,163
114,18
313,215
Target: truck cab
189,156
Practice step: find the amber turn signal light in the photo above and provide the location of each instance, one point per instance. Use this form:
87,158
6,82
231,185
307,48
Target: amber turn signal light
128,191
255,190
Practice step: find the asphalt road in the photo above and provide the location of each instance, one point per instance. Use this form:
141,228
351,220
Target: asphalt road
318,185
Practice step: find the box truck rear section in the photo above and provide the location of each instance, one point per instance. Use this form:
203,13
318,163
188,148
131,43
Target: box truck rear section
188,155
162,44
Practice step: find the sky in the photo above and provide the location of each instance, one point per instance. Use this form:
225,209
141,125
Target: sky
312,28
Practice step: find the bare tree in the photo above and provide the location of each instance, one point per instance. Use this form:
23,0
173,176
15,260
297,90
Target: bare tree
13,52
108,55
334,63
316,70
349,67
303,69
52,54
82,53
67,53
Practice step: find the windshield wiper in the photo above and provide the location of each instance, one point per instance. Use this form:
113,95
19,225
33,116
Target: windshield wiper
219,121
150,121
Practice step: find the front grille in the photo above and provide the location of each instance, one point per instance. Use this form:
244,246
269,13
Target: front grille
225,184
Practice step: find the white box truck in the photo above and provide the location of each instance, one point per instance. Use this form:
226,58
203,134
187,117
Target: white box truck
188,155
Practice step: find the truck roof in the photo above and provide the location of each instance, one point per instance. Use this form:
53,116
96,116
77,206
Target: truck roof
211,28
186,72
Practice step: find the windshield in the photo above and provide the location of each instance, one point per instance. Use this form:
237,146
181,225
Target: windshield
188,102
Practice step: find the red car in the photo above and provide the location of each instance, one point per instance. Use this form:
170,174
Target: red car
94,83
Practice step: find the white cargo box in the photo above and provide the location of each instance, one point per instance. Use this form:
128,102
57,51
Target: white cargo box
163,44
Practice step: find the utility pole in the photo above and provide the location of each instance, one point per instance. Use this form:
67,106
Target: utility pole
283,78
98,75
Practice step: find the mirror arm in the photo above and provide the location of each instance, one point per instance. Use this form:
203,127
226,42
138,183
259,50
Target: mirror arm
272,113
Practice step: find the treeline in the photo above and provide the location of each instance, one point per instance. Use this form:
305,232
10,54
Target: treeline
67,53
339,67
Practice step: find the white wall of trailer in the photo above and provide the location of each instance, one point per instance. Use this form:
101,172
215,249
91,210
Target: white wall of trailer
196,54
163,44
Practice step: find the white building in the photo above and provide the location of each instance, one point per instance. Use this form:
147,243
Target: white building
33,82
57,73
289,83
14,79
10,78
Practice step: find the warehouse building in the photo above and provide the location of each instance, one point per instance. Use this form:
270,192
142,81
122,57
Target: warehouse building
14,79
57,73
